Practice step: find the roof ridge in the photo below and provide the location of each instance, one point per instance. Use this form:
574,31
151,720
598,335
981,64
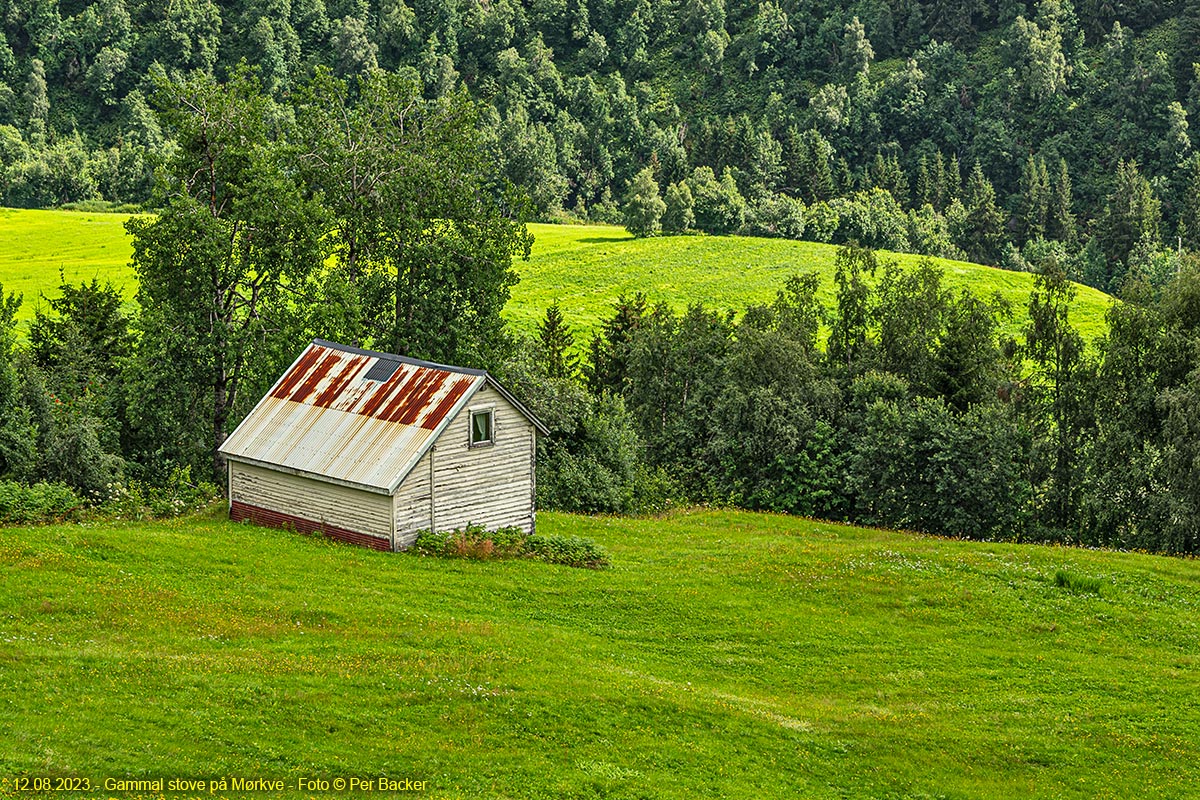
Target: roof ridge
416,362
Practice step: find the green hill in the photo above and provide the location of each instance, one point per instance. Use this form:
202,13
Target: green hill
35,246
582,267
724,654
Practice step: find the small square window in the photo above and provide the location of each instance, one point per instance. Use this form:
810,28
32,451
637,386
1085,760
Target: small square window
481,427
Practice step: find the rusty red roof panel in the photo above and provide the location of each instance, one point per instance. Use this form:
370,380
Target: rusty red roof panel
325,418
413,395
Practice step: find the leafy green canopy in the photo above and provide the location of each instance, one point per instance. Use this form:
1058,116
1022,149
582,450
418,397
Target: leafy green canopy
364,212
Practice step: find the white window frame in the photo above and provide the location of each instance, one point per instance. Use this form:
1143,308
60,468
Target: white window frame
473,412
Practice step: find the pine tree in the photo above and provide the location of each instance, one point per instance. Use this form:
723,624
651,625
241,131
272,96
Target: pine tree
608,367
886,173
1060,222
1131,220
1189,212
557,342
817,182
953,180
1035,199
924,188
941,191
983,228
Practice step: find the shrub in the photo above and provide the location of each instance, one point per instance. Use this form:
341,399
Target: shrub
138,500
474,541
40,502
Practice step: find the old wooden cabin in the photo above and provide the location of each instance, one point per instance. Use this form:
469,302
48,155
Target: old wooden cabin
371,448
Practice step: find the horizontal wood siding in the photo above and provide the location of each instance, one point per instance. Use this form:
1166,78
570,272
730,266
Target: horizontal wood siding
411,504
316,501
492,485
243,512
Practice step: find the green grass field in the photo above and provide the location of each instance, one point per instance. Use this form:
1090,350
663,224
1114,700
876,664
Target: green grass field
724,655
583,268
36,245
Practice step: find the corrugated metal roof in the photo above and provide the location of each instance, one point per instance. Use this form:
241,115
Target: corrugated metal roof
325,418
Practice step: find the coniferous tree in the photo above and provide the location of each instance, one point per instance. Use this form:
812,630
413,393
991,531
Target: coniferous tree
983,226
1060,220
607,369
1131,219
940,192
557,344
1189,211
954,184
1035,199
924,188
816,179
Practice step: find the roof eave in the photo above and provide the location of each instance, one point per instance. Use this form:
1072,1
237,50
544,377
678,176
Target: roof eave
301,473
517,404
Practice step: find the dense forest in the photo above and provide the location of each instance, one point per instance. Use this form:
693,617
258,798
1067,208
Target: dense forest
1009,133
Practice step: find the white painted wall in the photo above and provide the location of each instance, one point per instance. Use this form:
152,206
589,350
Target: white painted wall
491,485
411,504
318,501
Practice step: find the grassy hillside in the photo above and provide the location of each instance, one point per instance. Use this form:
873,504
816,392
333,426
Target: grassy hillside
36,245
583,268
724,655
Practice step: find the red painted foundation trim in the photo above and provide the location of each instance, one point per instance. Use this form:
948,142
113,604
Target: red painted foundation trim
239,512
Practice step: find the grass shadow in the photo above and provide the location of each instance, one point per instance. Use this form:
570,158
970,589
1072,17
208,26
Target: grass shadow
603,239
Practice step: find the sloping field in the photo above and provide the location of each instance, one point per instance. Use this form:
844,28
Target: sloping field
36,245
582,267
724,655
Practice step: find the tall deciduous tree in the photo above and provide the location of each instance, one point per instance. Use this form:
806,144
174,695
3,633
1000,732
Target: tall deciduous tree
680,213
1059,395
423,230
16,434
644,207
215,268
849,341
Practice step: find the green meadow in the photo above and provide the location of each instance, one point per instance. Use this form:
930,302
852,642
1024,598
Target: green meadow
583,268
37,246
724,654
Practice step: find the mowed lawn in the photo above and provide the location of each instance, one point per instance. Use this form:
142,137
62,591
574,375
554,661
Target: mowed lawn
584,268
724,655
